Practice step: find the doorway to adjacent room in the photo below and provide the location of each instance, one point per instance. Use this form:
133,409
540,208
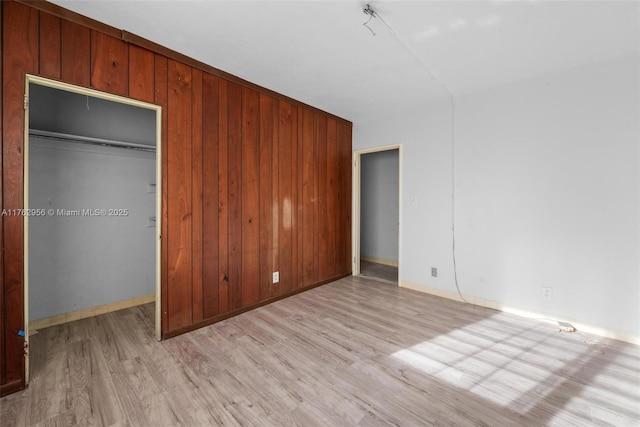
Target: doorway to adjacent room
377,213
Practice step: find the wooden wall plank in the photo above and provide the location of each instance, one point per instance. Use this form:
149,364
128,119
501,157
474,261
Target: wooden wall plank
109,64
250,198
75,54
161,96
347,169
340,238
323,207
50,40
296,212
180,194
266,196
223,199
276,211
306,228
332,196
210,168
234,135
196,196
320,136
344,200
298,242
3,358
141,74
285,199
298,193
20,49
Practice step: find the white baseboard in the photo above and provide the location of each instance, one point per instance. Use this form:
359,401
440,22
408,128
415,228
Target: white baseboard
596,330
89,312
382,261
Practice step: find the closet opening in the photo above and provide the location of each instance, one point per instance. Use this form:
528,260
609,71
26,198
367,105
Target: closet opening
92,196
376,206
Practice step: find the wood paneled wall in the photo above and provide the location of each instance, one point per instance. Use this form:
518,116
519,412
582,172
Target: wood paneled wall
253,182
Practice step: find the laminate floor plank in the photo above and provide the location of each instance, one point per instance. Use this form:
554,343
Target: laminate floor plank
375,270
266,387
356,352
311,379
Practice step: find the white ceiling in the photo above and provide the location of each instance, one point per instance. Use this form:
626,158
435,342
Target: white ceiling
320,53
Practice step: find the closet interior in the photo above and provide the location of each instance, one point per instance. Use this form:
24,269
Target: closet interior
91,190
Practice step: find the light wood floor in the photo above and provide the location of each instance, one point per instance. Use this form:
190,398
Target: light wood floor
356,352
379,271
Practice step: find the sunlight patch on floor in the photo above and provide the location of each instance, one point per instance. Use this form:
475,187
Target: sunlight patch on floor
511,368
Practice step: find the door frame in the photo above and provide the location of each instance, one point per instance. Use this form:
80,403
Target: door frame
356,204
32,79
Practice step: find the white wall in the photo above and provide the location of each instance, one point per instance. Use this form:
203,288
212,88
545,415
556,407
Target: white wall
379,205
79,262
548,193
426,174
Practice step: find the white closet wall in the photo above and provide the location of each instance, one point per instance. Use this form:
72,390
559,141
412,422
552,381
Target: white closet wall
79,262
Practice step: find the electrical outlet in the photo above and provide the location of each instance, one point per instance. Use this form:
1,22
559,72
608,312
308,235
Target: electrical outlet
565,327
276,276
434,272
547,292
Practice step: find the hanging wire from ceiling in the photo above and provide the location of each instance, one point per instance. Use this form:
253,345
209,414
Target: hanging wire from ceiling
368,10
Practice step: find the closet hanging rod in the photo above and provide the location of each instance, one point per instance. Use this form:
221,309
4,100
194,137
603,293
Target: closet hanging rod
90,140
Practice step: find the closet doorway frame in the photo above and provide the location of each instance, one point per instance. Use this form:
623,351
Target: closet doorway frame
32,79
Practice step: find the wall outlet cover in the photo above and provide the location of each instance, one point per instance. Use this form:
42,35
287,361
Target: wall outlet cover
566,327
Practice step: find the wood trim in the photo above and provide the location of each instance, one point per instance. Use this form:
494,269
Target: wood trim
223,316
90,312
136,40
67,15
11,387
